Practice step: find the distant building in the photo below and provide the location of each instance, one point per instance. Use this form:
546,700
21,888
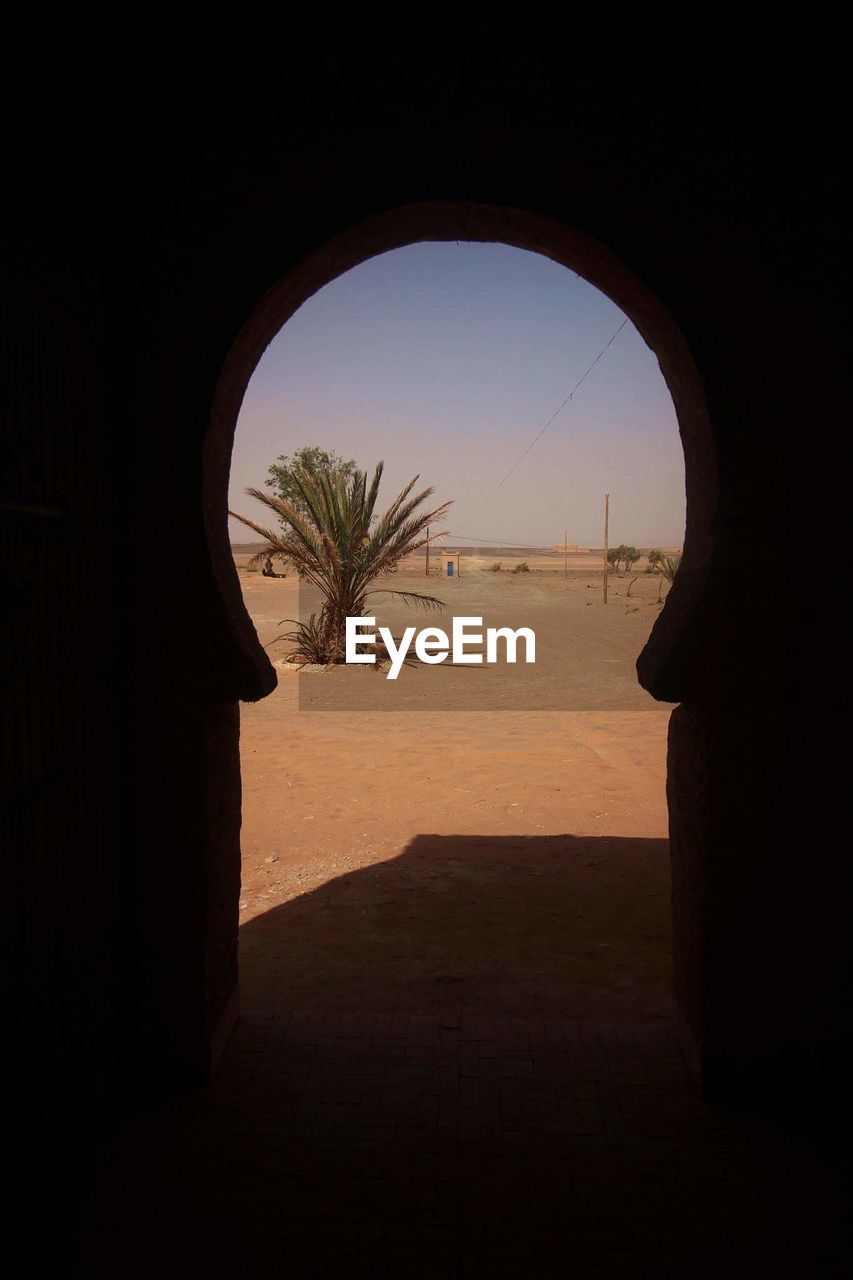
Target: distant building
451,566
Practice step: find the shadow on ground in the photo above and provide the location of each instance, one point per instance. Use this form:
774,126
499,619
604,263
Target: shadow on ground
436,1144
492,924
439,1147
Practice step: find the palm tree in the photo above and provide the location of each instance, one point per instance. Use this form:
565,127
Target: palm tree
341,546
667,567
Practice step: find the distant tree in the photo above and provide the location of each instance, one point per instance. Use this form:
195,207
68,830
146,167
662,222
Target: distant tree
281,476
653,558
617,555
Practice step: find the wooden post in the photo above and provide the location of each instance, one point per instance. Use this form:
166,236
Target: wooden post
606,548
427,551
565,553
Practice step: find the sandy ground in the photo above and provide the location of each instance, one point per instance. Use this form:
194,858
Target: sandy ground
496,861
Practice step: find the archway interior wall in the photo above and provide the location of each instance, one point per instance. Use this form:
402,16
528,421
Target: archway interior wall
695,655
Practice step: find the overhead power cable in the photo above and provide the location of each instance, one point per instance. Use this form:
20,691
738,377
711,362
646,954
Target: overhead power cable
499,542
541,433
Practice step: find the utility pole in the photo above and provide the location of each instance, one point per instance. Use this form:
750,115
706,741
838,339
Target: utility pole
427,553
565,553
606,548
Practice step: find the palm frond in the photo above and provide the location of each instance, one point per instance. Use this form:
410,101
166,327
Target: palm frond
310,640
668,567
339,545
412,599
266,534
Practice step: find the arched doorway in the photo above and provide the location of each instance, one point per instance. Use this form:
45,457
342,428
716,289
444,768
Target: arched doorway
408,225
661,667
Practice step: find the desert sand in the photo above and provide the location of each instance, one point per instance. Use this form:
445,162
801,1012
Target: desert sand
449,857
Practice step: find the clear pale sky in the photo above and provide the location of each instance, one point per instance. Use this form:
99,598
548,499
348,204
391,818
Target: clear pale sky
446,360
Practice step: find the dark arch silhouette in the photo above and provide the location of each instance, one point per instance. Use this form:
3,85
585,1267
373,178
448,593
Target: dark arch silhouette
133,255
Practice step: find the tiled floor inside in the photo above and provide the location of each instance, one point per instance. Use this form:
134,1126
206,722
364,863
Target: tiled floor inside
404,1146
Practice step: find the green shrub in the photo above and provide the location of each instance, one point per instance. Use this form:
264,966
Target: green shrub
343,547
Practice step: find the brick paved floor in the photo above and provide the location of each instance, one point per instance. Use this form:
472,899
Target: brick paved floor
401,1146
